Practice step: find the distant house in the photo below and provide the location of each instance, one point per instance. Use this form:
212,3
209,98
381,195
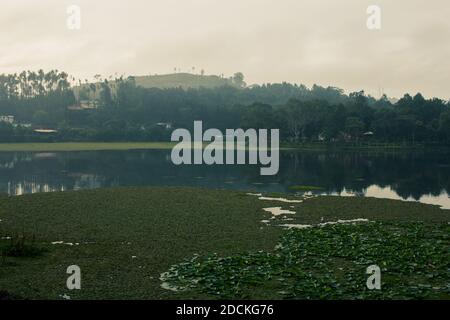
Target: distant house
7,119
45,131
84,105
89,104
321,137
343,136
164,125
22,125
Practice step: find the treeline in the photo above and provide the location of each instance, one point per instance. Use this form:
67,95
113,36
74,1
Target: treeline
127,112
35,97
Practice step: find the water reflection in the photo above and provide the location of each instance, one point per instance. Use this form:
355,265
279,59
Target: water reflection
412,176
375,191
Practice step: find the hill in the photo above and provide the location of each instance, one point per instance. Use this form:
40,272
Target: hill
174,80
183,80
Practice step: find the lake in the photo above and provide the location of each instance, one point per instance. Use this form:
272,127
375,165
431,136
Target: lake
411,176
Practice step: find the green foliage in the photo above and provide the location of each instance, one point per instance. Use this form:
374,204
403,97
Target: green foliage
183,80
329,262
354,126
162,226
140,103
20,245
238,79
444,124
5,295
40,117
306,188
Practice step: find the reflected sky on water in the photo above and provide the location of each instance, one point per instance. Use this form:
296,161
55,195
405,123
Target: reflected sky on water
408,176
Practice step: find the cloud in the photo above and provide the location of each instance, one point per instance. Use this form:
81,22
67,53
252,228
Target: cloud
311,41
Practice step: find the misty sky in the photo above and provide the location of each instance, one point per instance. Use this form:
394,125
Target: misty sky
302,41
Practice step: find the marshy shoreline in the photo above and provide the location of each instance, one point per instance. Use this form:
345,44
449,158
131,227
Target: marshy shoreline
123,239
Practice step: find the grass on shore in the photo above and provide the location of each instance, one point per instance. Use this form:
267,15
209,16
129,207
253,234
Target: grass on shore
306,188
82,146
98,146
125,238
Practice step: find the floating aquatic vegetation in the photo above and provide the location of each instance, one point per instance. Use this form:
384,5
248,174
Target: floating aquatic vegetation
20,245
328,263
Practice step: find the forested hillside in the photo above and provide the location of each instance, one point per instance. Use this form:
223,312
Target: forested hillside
124,110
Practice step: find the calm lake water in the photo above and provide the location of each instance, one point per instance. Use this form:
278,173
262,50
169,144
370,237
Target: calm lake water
410,176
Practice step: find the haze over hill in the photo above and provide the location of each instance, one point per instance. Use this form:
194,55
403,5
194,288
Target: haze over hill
119,109
324,41
165,81
183,80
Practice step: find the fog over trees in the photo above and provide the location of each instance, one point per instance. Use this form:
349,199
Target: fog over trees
120,110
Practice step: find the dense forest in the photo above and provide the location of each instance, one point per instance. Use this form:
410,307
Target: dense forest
120,110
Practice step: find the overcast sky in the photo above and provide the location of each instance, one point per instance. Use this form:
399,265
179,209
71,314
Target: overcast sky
302,41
